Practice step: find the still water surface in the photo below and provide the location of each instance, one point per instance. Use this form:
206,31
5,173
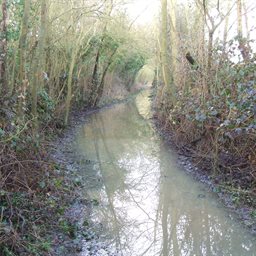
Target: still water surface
148,204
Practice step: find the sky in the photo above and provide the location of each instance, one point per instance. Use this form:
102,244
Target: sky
148,9
143,11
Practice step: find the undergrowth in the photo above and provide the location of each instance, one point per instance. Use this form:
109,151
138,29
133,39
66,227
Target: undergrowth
217,128
34,192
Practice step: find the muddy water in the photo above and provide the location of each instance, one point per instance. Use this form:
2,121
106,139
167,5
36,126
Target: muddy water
147,203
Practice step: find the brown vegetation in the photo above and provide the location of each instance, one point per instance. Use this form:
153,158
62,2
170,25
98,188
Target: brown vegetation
213,119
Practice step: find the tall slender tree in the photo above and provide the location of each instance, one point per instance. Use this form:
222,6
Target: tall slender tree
242,44
96,81
3,49
39,58
168,87
174,40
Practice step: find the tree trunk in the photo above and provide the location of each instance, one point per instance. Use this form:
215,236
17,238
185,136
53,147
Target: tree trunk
95,76
23,41
164,53
225,34
100,89
74,57
22,76
69,85
3,50
242,44
210,48
174,42
239,19
246,21
40,58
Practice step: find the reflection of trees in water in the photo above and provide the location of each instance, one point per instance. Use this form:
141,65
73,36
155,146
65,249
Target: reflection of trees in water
110,147
120,142
122,128
107,171
143,104
187,227
105,135
113,141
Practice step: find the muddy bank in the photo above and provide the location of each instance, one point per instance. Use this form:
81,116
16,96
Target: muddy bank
202,172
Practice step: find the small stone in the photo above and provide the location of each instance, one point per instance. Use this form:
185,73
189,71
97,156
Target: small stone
102,252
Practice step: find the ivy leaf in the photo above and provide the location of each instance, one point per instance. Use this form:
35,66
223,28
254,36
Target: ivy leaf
42,184
2,132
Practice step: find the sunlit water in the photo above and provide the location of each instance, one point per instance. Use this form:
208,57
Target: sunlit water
148,204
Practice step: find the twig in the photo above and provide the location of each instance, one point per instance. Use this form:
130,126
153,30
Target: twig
24,161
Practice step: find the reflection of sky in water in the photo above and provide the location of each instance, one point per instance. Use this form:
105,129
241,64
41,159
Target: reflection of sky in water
149,206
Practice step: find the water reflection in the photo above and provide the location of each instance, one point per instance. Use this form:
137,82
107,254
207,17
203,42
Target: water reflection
150,206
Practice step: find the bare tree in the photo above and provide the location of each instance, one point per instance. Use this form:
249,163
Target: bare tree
212,26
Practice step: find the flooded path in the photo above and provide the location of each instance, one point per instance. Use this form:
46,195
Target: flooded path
147,204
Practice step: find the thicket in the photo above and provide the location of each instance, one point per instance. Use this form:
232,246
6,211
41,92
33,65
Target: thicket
55,56
207,99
